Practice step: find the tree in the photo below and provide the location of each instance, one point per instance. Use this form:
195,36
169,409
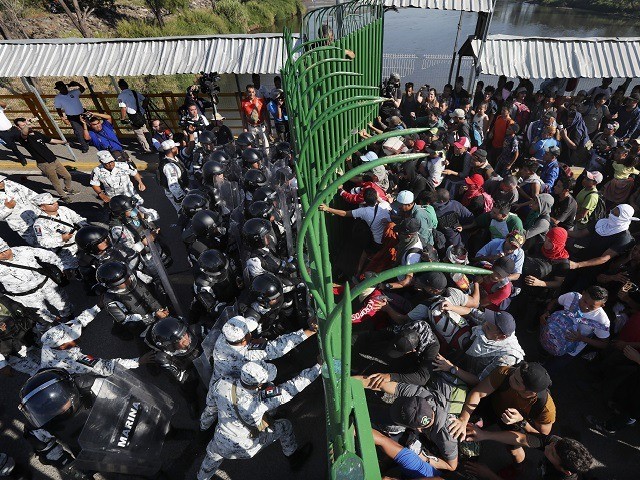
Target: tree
79,16
160,8
10,13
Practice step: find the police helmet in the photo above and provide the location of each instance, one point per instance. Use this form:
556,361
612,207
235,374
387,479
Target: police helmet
250,157
214,264
266,290
219,156
193,203
204,221
254,179
112,274
120,204
261,209
210,169
246,139
49,395
171,335
207,138
254,232
266,194
90,236
283,151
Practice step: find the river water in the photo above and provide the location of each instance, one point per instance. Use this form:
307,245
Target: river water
419,32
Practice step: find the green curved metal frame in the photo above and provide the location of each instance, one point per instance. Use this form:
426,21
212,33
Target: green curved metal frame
330,98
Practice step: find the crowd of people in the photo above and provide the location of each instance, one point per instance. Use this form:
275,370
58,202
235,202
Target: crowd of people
537,188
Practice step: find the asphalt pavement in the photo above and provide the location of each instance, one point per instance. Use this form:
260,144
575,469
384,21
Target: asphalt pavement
618,456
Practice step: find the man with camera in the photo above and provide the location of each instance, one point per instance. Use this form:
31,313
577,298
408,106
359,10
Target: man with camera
132,109
278,111
193,122
68,105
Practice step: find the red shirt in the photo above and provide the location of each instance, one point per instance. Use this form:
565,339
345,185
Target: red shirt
500,131
248,106
359,197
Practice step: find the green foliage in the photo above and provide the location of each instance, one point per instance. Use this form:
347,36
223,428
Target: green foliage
260,13
187,22
235,13
607,6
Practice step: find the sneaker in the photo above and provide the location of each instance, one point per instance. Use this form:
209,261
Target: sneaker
297,459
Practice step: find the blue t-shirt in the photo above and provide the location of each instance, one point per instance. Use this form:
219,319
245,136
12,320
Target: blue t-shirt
272,107
413,466
106,138
494,247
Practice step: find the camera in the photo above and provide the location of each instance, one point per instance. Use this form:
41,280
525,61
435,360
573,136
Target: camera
86,116
208,83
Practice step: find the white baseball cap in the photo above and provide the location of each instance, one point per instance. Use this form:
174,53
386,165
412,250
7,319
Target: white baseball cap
369,157
405,197
168,145
104,156
256,373
44,199
237,328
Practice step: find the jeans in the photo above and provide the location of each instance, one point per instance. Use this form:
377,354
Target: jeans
9,139
78,131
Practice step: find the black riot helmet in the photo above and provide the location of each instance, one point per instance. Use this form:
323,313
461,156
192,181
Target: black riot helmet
192,203
283,151
210,169
250,157
254,179
206,139
171,335
112,274
120,204
246,139
266,194
90,236
219,156
214,264
266,290
49,395
205,222
261,209
255,231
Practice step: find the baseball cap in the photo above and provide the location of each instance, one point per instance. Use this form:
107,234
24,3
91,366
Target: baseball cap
434,280
503,320
238,327
435,146
409,226
535,377
634,98
613,126
412,412
278,92
4,246
521,89
2,177
475,179
405,197
369,156
553,150
463,142
504,266
394,121
44,199
515,237
595,176
258,372
104,156
419,145
457,113
480,154
405,342
59,85
216,116
168,145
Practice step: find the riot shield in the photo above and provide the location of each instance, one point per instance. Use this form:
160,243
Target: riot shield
204,363
285,212
229,197
126,427
162,273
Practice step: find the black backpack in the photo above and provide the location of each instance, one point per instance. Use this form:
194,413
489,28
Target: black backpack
599,212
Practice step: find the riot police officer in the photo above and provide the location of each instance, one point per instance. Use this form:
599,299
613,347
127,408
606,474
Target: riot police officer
130,303
97,248
177,345
207,231
244,427
124,423
207,141
192,203
270,306
267,211
260,241
217,283
253,179
130,226
245,140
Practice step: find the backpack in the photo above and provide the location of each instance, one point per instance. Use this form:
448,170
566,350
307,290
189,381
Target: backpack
522,114
476,135
552,333
599,212
452,330
536,267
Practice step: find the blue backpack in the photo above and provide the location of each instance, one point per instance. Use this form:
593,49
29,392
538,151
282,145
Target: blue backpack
476,135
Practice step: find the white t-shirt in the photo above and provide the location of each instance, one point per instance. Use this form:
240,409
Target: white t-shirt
599,317
435,167
70,102
376,218
5,124
127,100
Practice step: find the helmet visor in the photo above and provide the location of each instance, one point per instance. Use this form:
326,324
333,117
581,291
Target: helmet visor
52,399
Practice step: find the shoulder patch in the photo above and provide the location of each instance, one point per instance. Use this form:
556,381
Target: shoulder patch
257,344
270,391
38,230
88,360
